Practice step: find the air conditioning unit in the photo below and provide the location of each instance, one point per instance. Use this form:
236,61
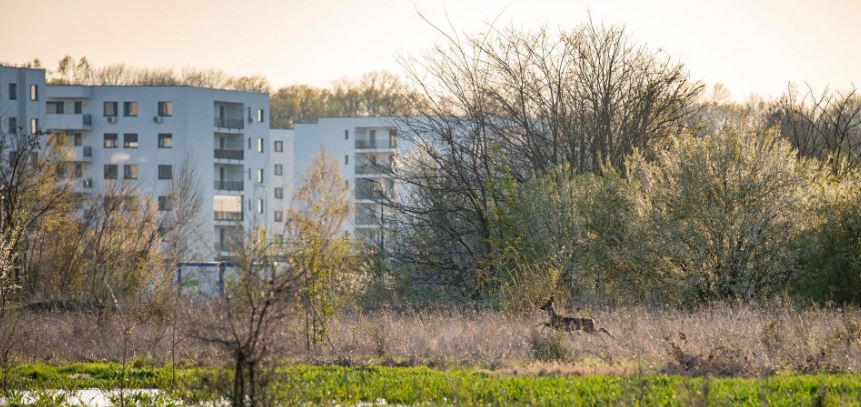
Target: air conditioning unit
157,119
112,119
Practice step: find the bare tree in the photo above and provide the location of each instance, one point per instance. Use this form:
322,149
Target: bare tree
512,104
825,126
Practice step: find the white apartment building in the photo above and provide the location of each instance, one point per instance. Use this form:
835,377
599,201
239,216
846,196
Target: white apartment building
145,134
280,180
246,172
22,99
365,148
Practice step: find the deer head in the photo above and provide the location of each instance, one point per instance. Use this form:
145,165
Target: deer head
547,306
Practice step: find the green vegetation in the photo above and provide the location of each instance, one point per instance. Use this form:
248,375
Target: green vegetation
413,385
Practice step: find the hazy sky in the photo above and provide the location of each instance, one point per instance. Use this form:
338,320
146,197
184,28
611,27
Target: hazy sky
752,46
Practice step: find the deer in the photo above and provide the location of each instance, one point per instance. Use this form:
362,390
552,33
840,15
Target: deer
570,324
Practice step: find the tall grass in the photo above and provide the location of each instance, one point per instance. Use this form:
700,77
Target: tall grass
723,340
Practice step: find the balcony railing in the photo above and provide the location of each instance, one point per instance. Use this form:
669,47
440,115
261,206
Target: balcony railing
375,143
225,185
378,168
228,216
229,123
229,154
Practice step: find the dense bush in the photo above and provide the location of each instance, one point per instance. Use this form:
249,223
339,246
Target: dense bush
709,218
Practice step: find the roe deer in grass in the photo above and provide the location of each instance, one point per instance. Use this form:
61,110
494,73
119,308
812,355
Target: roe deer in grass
570,324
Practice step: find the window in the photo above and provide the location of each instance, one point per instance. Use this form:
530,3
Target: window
13,91
259,145
260,175
165,172
279,193
13,125
34,125
34,92
260,115
346,134
54,107
346,160
165,203
279,216
130,140
393,138
165,140
249,143
279,169
130,171
165,108
279,146
110,109
78,139
259,206
110,140
249,174
130,109
79,170
110,171
79,107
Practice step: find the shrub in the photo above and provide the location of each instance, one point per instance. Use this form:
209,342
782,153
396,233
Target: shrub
548,347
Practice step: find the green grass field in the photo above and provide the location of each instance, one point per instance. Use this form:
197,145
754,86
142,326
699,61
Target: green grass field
420,385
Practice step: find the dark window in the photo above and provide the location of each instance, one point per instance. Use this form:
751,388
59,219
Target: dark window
165,108
279,193
110,109
346,134
279,217
279,169
130,171
13,91
130,140
165,203
54,107
13,125
78,139
34,92
110,171
79,170
346,160
110,140
165,172
79,107
279,146
130,109
165,140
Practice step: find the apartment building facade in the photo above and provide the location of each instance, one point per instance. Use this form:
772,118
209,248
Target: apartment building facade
365,148
146,135
22,100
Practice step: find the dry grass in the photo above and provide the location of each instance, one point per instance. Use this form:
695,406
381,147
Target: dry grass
721,341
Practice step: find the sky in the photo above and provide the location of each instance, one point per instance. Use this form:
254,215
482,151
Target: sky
750,46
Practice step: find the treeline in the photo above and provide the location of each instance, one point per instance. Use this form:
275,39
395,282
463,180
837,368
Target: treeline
581,163
372,94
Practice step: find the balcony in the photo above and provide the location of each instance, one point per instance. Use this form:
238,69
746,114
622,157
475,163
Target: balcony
69,92
228,216
367,168
229,154
229,123
68,121
227,185
78,154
